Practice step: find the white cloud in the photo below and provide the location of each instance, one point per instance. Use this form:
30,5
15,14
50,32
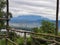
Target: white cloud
46,8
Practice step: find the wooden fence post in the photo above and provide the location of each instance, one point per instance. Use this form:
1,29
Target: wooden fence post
25,39
32,40
7,21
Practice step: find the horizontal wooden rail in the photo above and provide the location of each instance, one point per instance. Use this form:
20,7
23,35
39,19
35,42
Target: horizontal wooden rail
44,34
11,41
21,31
47,40
4,19
3,36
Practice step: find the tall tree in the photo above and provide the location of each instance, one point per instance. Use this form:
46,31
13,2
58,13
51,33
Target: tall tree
48,27
3,13
2,5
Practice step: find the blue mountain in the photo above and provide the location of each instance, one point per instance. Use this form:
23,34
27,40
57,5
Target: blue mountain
29,21
27,18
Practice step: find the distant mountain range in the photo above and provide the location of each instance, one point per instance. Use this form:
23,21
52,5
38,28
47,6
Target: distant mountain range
28,21
27,18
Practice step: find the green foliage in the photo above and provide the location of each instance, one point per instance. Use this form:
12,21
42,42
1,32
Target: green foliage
3,13
35,30
59,33
46,27
2,41
2,4
12,36
29,41
20,41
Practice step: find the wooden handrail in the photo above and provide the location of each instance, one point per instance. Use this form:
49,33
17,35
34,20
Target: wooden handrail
44,34
4,19
11,41
21,31
3,36
47,40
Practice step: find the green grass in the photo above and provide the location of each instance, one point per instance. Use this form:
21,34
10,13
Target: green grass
20,41
59,33
2,41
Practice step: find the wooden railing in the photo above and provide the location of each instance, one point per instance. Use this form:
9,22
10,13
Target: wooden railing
4,19
43,34
6,37
3,36
32,37
14,43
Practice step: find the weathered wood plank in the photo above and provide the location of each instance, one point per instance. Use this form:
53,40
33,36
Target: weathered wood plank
11,41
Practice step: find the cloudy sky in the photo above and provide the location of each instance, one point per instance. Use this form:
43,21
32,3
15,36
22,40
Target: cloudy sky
45,8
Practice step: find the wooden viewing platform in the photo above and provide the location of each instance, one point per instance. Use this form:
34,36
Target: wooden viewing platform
33,35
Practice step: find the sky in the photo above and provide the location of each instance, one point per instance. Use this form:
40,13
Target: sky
45,8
